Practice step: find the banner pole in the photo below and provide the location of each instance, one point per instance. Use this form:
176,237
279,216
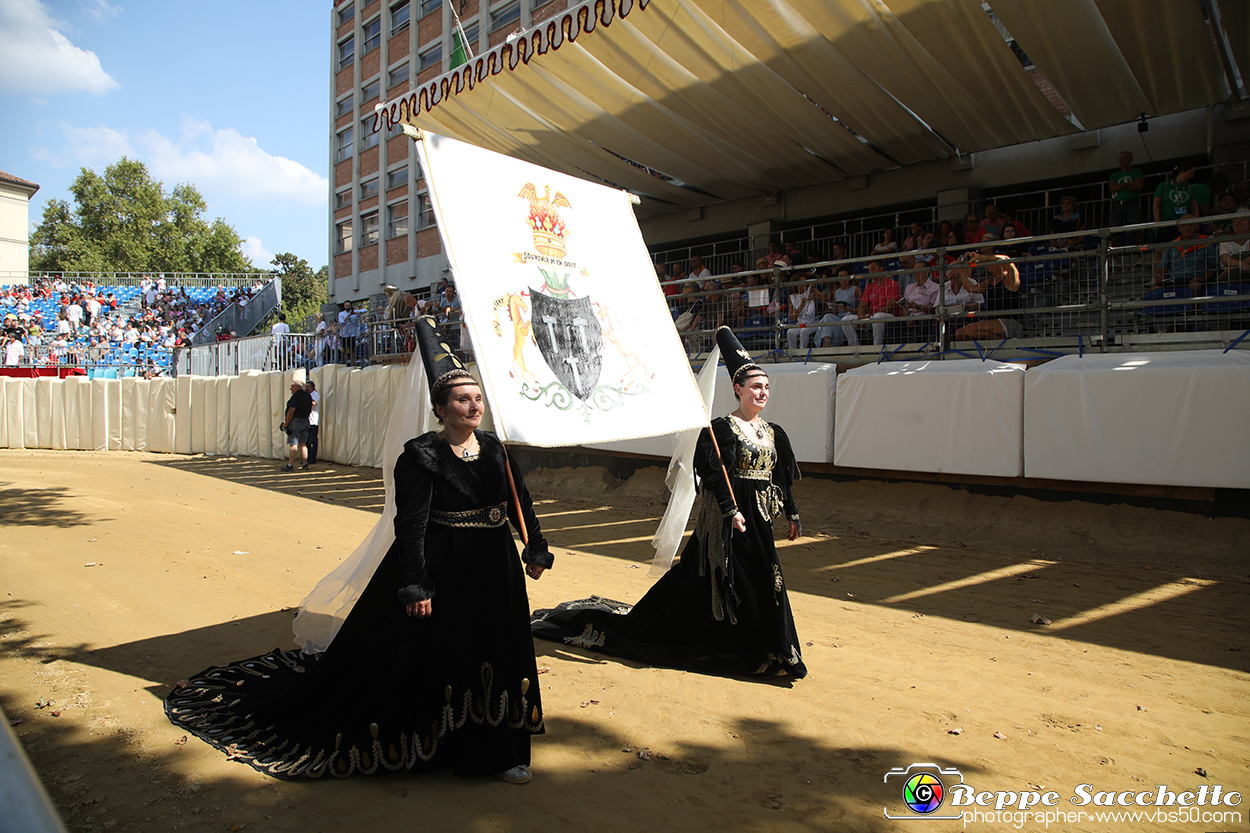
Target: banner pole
516,499
728,484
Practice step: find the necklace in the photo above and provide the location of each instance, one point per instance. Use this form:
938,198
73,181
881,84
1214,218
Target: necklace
465,453
757,427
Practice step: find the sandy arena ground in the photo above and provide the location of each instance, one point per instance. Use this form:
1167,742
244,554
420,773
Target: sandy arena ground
125,572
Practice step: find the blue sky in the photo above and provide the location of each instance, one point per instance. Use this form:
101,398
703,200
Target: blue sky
230,96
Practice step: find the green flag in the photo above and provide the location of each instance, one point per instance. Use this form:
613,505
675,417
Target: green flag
458,55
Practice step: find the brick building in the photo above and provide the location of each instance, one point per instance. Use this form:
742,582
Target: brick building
381,225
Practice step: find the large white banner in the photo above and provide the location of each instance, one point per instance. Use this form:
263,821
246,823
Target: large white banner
568,324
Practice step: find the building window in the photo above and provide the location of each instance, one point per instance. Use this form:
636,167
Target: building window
369,189
368,138
397,178
428,6
398,76
470,35
425,215
397,220
505,16
345,145
399,16
347,13
345,106
369,228
372,32
347,51
343,199
431,58
370,91
344,243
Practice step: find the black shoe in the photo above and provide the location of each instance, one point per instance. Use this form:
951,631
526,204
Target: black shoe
303,466
287,467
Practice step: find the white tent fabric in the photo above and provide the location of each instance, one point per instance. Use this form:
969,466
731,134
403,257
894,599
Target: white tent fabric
1175,419
727,98
964,417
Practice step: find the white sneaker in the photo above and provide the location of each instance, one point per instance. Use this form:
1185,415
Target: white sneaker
517,775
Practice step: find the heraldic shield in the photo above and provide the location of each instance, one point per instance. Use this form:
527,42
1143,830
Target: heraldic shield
570,339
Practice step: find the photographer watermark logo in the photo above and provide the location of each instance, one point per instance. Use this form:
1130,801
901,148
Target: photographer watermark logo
924,788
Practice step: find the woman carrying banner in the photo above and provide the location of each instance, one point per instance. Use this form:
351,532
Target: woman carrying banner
434,665
723,608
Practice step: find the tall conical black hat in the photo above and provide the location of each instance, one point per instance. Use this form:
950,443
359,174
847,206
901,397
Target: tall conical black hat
737,359
442,367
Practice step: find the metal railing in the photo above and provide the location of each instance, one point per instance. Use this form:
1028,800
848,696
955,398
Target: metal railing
243,317
275,351
187,279
1085,295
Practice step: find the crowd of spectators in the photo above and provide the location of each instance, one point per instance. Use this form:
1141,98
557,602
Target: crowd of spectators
57,321
842,303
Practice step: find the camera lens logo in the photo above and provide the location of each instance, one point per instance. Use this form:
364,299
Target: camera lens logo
923,787
923,793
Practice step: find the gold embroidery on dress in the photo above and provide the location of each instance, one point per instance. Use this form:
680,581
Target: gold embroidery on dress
777,577
588,638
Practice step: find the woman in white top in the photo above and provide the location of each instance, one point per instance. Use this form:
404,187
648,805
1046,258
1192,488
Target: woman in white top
887,246
319,341
803,306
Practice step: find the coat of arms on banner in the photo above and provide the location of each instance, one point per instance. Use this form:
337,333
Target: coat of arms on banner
584,360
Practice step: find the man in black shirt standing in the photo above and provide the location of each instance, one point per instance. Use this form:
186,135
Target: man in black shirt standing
298,407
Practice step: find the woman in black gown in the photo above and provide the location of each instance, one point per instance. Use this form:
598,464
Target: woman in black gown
434,666
723,608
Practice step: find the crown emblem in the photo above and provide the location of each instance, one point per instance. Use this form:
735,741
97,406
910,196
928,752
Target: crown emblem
545,222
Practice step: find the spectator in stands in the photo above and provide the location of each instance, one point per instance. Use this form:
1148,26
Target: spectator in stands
998,281
1009,247
846,295
14,350
295,424
920,298
880,299
1009,220
1068,221
774,252
915,238
887,246
1227,204
278,332
666,283
1235,254
805,302
1175,197
73,313
1126,186
314,420
349,331
698,270
972,228
319,340
457,333
944,232
992,223
1189,261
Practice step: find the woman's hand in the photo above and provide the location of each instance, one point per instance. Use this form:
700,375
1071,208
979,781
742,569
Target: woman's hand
739,522
795,531
534,571
421,610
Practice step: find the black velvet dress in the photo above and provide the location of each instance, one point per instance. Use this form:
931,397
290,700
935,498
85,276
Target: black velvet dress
723,607
394,692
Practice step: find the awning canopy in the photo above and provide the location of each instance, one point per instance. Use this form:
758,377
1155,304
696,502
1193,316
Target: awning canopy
688,102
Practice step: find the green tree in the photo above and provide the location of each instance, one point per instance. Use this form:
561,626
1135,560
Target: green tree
303,290
124,221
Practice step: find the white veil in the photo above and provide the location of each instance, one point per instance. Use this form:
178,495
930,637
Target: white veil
322,612
680,477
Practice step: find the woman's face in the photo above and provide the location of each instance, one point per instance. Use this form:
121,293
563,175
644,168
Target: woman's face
464,409
1009,232
753,392
888,235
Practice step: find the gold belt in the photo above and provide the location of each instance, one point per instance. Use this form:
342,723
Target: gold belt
486,517
755,474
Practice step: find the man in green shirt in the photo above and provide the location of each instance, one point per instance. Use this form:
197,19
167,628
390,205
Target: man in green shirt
1125,186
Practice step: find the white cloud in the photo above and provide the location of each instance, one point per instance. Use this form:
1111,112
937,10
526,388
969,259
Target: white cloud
35,57
99,10
220,162
256,252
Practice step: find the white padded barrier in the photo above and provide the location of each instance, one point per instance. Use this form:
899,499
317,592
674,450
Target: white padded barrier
30,420
43,412
59,405
279,393
963,417
244,398
182,415
222,424
162,422
801,400
1176,418
4,411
